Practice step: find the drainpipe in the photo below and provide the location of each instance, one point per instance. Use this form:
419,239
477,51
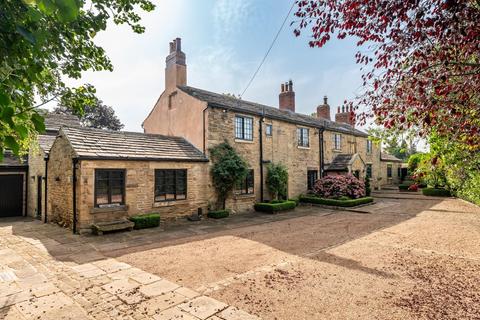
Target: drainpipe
74,181
320,145
46,189
204,134
261,155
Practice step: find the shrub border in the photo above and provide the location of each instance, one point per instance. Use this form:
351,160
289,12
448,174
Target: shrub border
275,207
143,221
434,192
219,214
336,203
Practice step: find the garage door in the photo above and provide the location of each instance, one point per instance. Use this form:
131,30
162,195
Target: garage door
11,195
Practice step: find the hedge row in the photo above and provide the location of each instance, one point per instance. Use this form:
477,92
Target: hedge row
436,192
218,214
275,206
404,187
146,220
336,202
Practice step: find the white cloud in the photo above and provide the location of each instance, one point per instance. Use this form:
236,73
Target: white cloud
229,16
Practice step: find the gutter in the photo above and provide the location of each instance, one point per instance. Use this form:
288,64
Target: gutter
320,151
261,157
204,130
74,181
140,159
46,189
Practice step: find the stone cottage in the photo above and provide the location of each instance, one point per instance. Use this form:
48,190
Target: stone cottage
97,176
38,159
308,146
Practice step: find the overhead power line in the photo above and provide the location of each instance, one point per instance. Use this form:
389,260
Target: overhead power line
269,49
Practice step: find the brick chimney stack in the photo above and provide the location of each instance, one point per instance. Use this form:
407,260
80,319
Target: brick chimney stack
323,111
176,67
286,98
345,115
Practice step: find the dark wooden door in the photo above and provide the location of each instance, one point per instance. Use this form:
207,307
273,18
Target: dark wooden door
11,195
39,196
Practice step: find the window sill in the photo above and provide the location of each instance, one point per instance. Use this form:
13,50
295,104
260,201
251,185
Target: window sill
119,208
337,150
304,148
171,203
243,196
243,141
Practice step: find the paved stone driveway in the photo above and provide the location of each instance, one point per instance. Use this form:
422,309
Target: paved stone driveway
47,273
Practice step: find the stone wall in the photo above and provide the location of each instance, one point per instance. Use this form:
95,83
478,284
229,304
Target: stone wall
352,144
395,179
36,172
281,147
139,190
60,187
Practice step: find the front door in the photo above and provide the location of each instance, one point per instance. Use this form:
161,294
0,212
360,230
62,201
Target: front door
11,195
39,196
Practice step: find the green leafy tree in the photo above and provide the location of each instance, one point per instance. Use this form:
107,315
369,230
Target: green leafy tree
277,180
97,116
399,143
43,43
227,170
368,188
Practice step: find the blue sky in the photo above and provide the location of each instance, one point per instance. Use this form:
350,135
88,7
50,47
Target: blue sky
224,41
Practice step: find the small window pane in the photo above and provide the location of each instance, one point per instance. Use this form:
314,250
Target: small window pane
170,184
268,130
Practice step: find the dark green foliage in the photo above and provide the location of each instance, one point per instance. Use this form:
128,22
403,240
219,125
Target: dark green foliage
218,214
336,202
97,116
433,192
146,220
275,207
228,169
404,186
368,188
296,200
45,42
277,180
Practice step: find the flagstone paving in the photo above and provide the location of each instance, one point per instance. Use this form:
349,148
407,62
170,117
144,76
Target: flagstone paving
36,285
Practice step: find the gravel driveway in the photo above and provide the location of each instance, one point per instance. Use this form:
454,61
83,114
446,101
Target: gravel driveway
406,257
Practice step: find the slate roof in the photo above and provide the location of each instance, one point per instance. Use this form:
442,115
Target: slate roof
54,121
340,162
223,101
103,144
46,141
388,157
10,160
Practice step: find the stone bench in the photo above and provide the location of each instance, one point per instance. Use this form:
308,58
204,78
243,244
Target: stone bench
100,227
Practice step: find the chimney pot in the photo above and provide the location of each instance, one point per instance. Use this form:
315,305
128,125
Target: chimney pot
178,42
325,100
286,97
338,109
172,48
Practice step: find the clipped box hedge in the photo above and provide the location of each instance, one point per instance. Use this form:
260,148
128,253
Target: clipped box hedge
143,221
336,202
218,214
433,192
275,206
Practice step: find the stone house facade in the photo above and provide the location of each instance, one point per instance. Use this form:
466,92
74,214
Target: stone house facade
391,169
38,159
100,176
306,145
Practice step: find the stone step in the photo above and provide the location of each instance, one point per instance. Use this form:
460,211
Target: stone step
100,227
